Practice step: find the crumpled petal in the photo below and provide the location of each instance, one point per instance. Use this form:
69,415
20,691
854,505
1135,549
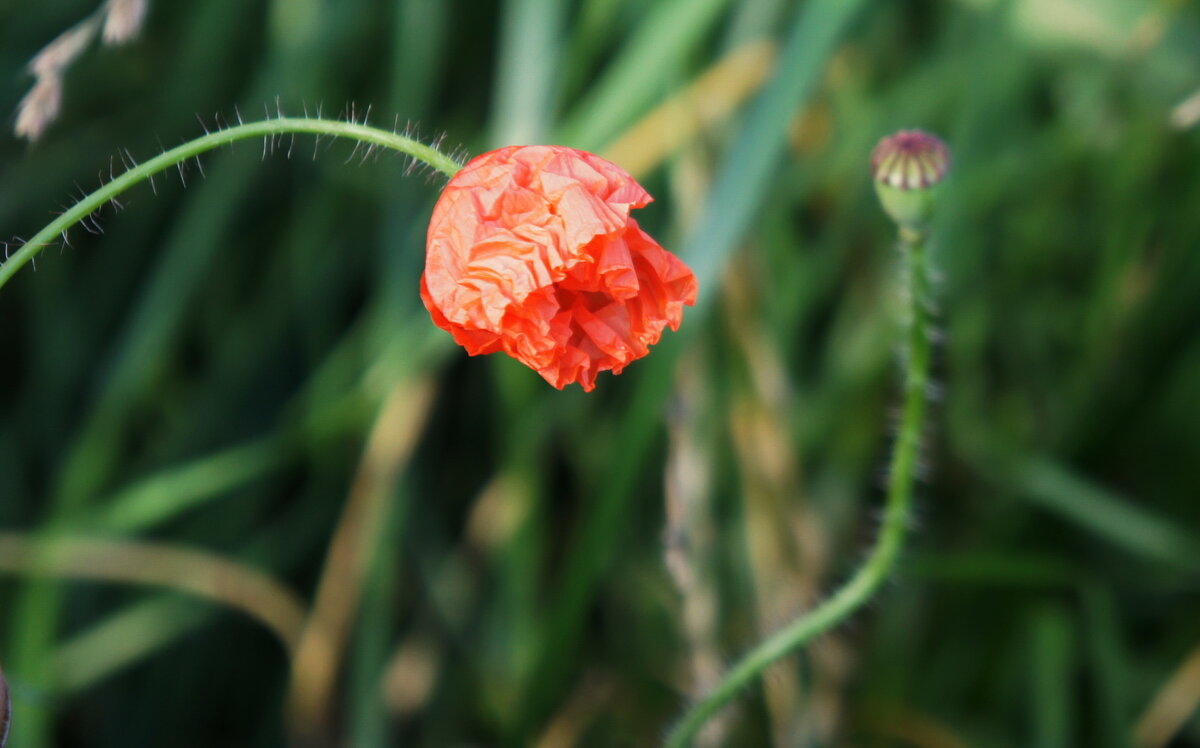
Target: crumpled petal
532,251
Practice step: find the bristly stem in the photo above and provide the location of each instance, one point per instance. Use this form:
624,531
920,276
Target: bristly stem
265,129
859,588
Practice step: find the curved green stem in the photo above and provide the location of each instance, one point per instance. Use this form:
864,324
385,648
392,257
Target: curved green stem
168,159
883,556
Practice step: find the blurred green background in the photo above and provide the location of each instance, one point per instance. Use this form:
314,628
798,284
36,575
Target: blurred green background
235,391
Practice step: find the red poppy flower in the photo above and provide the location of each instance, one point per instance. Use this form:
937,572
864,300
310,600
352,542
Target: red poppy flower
531,251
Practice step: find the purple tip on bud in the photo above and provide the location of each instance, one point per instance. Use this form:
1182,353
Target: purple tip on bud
910,159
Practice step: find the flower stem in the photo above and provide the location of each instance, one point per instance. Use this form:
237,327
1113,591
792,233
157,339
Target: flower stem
883,556
168,159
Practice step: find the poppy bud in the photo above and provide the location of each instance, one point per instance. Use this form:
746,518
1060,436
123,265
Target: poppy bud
532,251
907,167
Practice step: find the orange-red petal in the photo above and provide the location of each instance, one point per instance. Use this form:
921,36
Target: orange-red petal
532,251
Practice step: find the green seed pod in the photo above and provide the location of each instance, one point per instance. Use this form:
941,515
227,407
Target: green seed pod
907,168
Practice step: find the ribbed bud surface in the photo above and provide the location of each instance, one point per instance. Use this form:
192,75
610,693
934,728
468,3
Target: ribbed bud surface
910,159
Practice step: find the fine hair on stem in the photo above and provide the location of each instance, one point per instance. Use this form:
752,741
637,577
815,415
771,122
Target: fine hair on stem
269,129
882,558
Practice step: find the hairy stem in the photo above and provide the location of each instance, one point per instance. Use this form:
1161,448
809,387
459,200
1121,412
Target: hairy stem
176,156
868,579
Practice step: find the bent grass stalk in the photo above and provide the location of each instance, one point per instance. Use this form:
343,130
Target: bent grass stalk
860,588
265,129
200,573
327,629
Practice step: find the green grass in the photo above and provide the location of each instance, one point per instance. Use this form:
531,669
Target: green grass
207,371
